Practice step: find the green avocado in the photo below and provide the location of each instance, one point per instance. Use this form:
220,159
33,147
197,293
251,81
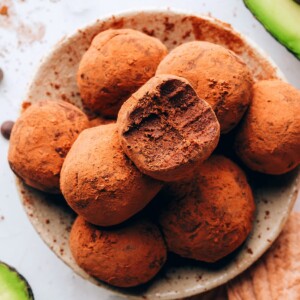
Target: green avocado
281,18
13,286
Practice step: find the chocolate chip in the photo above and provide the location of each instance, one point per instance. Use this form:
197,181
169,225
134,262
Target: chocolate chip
1,75
6,129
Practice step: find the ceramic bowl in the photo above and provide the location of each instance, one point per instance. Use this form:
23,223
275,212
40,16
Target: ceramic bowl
274,195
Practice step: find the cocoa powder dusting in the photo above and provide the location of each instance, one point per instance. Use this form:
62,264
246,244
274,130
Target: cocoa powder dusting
210,216
122,188
136,251
249,250
114,84
150,32
217,74
30,145
268,140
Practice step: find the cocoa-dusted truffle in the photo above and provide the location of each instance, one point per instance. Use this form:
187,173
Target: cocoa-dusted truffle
217,74
117,63
269,138
123,256
100,183
40,140
101,121
209,217
166,129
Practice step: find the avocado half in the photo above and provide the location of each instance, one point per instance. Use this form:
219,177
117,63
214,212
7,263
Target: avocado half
281,18
13,286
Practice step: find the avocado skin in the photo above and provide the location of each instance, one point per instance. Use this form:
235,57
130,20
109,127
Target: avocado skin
281,19
28,291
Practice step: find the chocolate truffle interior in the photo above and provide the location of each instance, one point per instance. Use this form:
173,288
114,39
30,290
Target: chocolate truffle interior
170,124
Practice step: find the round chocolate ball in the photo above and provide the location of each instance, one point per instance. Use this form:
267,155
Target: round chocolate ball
123,256
269,138
209,217
100,183
218,76
40,141
117,63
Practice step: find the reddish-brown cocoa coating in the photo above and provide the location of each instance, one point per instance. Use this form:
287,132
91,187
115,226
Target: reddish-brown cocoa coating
123,256
166,129
100,183
269,138
217,74
101,121
117,63
40,141
209,217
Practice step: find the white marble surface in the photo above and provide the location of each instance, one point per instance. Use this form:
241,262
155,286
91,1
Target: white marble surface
25,37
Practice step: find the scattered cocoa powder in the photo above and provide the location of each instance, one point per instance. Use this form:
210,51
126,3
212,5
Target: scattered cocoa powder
276,274
249,251
25,105
4,10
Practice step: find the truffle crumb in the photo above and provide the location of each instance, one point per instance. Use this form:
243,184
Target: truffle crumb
4,10
25,105
249,250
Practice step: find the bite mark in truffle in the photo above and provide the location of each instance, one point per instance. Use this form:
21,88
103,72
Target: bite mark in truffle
218,76
166,129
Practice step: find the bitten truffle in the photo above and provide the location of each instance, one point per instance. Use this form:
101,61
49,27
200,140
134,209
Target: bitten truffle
100,183
117,63
209,217
269,138
166,129
40,141
124,256
218,76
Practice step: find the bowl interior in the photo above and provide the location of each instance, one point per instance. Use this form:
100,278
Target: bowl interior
274,196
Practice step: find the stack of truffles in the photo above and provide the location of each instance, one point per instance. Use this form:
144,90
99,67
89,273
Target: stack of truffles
167,112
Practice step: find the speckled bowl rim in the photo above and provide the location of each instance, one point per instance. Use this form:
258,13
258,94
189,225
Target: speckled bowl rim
293,194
